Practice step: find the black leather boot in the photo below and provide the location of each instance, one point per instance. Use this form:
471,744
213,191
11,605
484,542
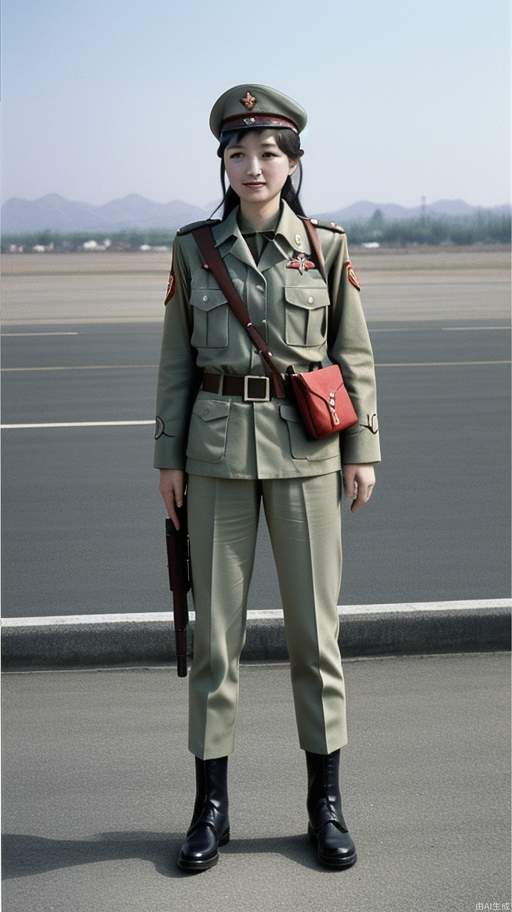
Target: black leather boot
326,826
209,826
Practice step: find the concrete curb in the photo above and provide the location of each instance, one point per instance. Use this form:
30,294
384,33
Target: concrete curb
365,630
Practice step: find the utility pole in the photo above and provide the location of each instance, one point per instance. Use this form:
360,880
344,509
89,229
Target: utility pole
423,209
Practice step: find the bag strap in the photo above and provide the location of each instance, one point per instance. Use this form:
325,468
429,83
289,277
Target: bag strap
212,260
317,247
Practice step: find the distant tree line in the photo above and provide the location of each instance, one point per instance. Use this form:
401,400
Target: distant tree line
482,227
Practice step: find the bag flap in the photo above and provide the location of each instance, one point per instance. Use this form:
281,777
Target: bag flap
322,382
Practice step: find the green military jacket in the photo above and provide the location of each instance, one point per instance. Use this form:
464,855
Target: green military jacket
302,319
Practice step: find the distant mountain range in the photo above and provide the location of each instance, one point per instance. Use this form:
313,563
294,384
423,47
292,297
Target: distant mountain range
56,213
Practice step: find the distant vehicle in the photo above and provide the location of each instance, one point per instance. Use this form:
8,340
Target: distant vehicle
93,245
370,244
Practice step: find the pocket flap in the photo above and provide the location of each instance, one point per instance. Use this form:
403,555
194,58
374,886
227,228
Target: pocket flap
289,413
310,297
211,408
207,298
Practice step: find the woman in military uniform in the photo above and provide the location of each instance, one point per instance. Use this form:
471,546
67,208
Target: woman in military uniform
222,430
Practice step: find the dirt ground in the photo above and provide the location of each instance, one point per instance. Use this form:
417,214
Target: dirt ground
396,284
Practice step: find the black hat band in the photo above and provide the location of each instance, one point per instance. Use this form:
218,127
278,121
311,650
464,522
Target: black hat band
238,122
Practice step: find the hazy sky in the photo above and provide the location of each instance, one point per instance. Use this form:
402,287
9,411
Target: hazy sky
101,99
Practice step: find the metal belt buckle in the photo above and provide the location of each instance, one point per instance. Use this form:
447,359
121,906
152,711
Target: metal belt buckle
266,395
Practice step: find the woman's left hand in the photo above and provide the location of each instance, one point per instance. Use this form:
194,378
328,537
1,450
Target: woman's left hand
358,482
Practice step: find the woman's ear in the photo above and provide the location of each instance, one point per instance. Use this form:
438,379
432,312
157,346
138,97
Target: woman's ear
293,166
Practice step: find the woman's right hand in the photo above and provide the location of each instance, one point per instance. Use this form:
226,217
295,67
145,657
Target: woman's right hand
172,485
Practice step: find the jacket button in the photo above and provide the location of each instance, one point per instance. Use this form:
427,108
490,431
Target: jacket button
310,300
205,297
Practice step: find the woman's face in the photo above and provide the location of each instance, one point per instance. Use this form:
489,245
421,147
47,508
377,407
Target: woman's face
256,167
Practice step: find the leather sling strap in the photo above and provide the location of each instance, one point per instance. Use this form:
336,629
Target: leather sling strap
315,243
212,260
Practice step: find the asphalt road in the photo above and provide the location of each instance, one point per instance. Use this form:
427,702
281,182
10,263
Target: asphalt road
83,522
98,788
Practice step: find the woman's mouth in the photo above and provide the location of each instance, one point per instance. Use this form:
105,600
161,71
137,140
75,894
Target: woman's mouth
255,184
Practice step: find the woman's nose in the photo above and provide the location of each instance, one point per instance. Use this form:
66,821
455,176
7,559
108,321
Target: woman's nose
254,168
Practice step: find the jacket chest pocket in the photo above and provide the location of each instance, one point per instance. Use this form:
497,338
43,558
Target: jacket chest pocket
208,429
306,313
211,318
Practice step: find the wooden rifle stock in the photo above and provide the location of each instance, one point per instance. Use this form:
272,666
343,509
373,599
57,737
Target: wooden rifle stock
178,564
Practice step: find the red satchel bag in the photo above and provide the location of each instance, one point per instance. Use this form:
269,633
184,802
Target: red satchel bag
322,400
320,395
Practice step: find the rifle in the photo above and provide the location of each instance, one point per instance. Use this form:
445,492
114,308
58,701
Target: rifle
178,564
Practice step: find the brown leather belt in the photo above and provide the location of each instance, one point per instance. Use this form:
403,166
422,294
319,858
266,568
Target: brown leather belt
253,388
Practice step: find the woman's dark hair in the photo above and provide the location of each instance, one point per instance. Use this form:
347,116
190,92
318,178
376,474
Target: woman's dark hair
289,143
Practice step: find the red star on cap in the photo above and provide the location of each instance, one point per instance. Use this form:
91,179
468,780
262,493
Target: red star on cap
248,101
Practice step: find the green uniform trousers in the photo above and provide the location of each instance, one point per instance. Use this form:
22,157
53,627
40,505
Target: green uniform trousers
303,516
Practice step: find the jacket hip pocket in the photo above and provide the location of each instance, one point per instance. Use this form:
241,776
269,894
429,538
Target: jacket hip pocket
211,318
208,429
306,315
301,446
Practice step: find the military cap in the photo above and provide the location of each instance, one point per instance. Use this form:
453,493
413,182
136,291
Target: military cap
251,105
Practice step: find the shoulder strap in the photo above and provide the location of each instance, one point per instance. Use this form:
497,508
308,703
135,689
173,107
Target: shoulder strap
192,225
213,261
